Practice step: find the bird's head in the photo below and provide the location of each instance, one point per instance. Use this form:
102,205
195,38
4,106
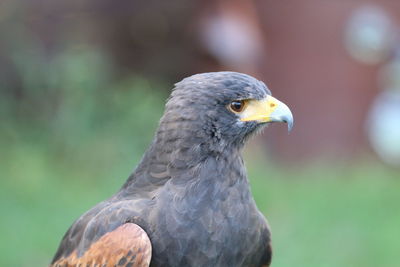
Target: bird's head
220,109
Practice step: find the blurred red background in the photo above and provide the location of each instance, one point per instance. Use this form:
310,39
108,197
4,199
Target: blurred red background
297,48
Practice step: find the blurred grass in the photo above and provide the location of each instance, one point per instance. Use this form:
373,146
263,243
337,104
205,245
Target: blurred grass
57,162
331,215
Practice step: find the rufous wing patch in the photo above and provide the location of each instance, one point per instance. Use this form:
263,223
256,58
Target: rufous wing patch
126,246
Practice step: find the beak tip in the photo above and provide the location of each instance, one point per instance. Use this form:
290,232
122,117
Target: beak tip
289,121
289,125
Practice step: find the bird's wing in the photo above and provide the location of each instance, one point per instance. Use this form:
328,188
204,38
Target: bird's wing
127,245
268,255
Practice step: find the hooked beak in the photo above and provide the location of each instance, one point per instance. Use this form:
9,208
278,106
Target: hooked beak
267,110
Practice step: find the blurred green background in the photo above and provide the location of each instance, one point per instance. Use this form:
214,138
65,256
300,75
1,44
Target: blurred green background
83,85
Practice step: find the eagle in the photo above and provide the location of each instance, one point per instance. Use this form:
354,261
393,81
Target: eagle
188,202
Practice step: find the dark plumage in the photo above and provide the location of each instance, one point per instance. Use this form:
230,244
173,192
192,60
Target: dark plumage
189,193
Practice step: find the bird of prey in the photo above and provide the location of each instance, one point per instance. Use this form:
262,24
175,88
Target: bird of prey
188,203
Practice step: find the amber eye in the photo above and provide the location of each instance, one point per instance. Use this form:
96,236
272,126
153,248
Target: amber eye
237,105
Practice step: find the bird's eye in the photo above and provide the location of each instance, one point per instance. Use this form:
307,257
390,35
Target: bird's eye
237,105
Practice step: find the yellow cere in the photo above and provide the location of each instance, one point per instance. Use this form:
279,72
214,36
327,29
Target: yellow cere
260,110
